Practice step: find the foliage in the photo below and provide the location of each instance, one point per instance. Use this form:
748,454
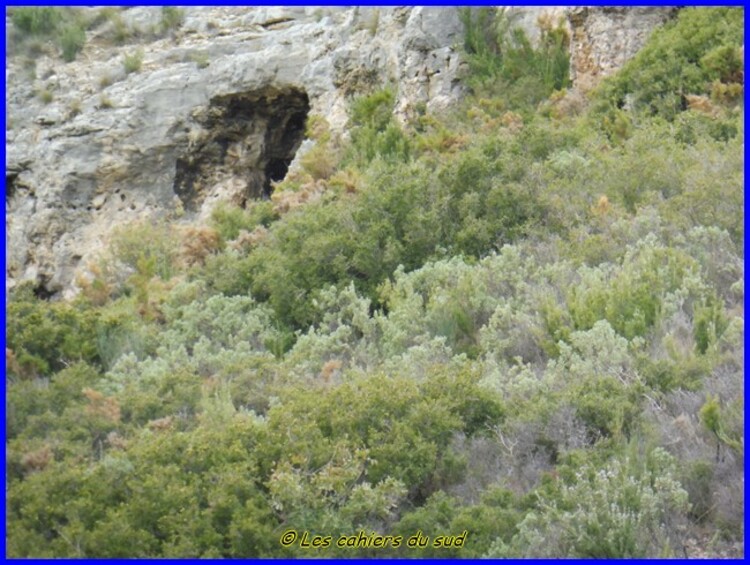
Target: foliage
132,62
375,133
404,215
631,299
683,57
36,21
622,509
711,416
504,61
65,26
388,417
513,321
147,249
171,18
72,40
230,221
45,338
46,96
201,59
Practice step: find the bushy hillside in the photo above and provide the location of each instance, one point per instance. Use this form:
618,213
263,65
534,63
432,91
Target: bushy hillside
522,321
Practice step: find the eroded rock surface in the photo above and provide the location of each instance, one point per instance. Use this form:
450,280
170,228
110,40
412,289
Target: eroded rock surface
216,113
604,39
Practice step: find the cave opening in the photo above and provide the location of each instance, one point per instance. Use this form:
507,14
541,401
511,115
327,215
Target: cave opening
275,171
42,291
245,141
10,185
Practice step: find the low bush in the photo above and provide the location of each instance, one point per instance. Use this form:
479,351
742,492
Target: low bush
375,132
171,18
37,20
66,26
72,40
630,507
229,220
45,338
496,320
147,249
504,63
132,62
683,57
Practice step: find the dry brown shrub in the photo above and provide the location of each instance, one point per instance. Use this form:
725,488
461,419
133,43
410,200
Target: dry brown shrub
702,104
198,242
317,128
723,93
450,143
320,161
567,103
95,286
512,120
151,311
492,105
102,406
347,180
11,363
116,441
330,369
37,460
287,200
602,206
248,240
492,125
160,424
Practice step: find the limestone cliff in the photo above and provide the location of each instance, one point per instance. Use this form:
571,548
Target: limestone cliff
215,112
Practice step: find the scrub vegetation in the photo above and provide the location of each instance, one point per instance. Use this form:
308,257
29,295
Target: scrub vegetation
515,320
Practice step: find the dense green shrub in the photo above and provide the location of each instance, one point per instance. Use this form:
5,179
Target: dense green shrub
494,518
229,221
72,40
37,20
488,321
631,507
404,425
140,497
44,338
631,298
683,57
29,398
375,132
405,214
504,62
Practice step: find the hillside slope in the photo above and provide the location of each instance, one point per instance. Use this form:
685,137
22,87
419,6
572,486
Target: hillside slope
514,328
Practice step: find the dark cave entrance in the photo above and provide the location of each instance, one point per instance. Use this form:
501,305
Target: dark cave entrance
10,185
275,171
247,139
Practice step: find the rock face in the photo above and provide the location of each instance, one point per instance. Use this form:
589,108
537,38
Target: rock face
532,19
604,39
217,112
246,140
